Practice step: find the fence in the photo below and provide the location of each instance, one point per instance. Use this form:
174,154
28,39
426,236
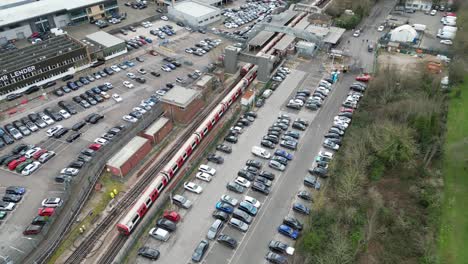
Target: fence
76,194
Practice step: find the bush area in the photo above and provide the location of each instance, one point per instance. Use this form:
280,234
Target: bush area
361,9
384,190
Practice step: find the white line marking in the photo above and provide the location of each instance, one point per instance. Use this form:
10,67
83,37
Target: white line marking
17,249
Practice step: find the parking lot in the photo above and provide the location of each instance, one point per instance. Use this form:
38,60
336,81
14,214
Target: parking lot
252,246
41,184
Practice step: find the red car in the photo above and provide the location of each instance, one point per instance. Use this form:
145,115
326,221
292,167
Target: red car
363,77
346,109
46,211
12,165
32,230
172,215
153,52
39,153
95,146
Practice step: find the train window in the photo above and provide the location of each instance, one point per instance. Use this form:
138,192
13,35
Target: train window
148,201
205,131
174,168
160,187
135,219
230,101
213,121
194,144
220,112
184,157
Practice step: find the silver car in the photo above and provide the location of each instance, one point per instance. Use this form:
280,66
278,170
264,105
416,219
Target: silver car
236,223
214,229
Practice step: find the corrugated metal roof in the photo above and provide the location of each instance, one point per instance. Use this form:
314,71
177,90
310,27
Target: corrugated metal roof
105,39
288,39
261,38
126,152
156,126
195,9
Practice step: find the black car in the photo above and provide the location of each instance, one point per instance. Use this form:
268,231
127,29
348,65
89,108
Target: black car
16,190
220,215
200,251
272,138
73,137
231,139
332,135
260,187
166,224
304,195
268,144
67,107
88,152
232,186
252,114
293,222
298,126
148,252
278,246
155,74
76,164
266,174
280,159
319,171
14,96
276,258
300,208
12,198
84,158
254,163
246,174
19,148
227,241
61,132
224,148
140,79
78,125
215,158
34,88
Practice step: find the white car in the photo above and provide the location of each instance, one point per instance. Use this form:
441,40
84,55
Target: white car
52,202
160,92
230,200
131,75
65,114
6,206
252,201
142,71
115,68
192,187
357,33
51,131
128,84
433,12
108,85
105,95
164,18
326,154
117,98
69,171
47,119
380,28
189,51
285,69
138,109
101,141
242,182
207,169
30,168
165,68
203,176
446,42
342,119
130,119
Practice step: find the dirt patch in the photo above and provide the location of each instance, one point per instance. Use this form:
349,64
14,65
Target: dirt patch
405,62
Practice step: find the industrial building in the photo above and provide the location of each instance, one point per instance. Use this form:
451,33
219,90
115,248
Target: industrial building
106,46
157,131
38,64
20,18
424,5
182,104
129,156
195,14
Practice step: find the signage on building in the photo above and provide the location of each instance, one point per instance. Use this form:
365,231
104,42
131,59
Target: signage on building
18,73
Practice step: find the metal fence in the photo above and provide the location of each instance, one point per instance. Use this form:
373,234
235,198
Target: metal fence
78,192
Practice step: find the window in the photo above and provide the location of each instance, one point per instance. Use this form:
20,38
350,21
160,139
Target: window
205,131
185,156
160,187
148,201
175,168
213,121
194,144
135,219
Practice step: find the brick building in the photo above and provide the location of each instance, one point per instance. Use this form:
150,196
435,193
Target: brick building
182,104
157,131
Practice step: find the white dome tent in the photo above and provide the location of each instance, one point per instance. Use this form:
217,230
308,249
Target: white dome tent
404,33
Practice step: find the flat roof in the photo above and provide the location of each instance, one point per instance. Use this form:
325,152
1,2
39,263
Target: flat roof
126,152
105,39
23,12
205,79
194,8
288,39
180,96
156,126
261,38
328,34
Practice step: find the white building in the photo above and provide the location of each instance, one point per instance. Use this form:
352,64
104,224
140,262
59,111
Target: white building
404,34
196,14
423,5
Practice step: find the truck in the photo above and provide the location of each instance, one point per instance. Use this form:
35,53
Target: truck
445,35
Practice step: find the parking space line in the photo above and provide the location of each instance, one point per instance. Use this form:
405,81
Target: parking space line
17,249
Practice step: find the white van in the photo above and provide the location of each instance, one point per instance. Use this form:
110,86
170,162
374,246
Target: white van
267,93
50,132
260,152
159,234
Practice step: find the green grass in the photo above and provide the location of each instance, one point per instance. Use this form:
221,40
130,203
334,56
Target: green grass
454,224
108,184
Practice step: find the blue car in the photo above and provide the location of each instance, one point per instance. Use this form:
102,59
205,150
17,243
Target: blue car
16,190
248,208
148,40
129,63
283,153
225,207
288,231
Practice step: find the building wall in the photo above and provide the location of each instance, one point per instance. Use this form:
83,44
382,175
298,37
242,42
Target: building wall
22,31
160,134
419,5
194,21
61,20
132,161
183,115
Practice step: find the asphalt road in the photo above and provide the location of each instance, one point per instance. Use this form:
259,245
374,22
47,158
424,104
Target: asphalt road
40,184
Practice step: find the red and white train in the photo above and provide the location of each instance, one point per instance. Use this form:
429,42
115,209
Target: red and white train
154,189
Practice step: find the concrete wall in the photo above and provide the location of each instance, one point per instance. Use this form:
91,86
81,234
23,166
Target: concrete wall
62,21
10,34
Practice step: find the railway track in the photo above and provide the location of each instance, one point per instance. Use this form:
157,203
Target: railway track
87,245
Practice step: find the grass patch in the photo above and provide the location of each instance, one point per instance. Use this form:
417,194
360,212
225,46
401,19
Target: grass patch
108,183
453,230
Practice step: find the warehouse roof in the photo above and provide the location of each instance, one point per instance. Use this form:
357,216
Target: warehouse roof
126,152
205,79
156,126
261,38
194,8
288,39
40,8
180,96
328,34
105,39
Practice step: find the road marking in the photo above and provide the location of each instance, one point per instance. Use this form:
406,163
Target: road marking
17,249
